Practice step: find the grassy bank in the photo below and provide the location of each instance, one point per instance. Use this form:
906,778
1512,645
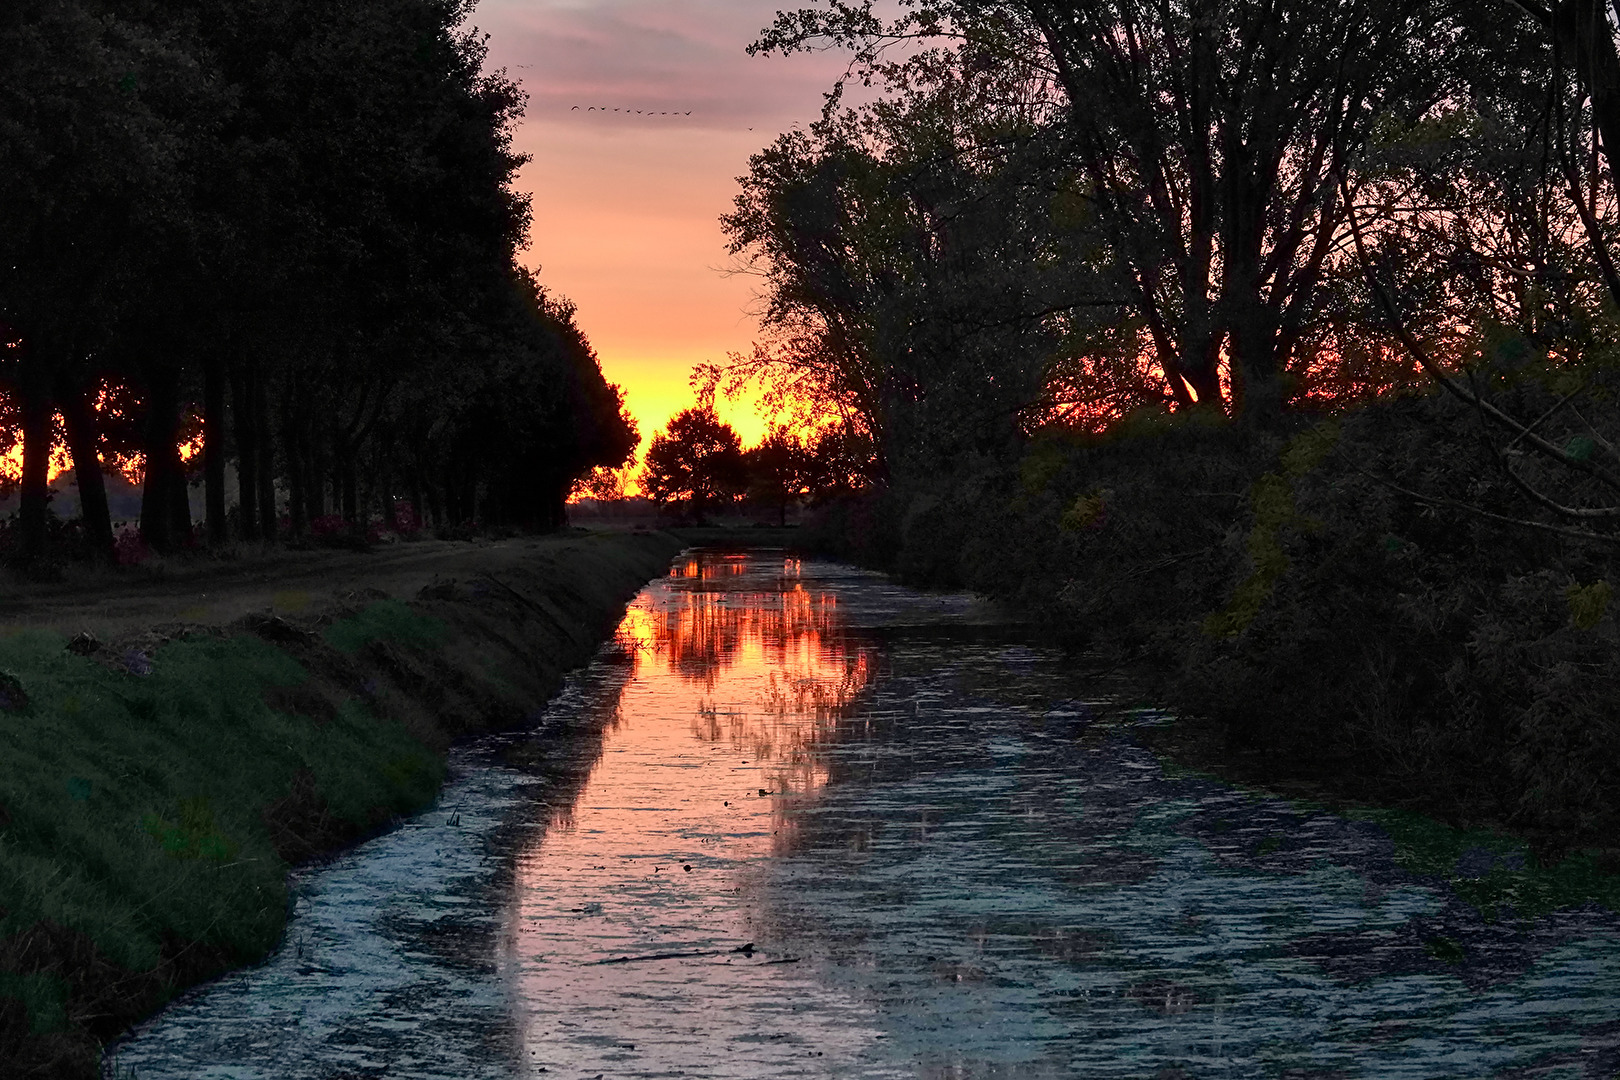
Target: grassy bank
1323,628
158,783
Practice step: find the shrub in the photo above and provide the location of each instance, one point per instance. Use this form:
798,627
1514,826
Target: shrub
1292,586
129,549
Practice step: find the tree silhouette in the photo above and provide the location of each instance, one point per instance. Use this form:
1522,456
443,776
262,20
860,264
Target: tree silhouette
294,221
1204,142
88,156
922,263
696,463
780,471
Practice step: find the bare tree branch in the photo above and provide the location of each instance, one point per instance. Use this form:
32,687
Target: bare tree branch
1418,353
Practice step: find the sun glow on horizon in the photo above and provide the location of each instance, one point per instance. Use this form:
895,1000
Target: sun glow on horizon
11,463
132,467
657,388
627,204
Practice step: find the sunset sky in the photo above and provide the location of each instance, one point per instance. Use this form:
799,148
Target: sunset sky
626,207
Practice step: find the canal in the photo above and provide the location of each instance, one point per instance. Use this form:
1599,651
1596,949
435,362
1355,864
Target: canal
798,822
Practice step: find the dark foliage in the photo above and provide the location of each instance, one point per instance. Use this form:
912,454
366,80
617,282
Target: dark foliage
1319,591
695,464
1271,352
285,231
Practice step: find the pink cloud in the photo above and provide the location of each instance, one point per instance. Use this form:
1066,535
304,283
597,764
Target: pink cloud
627,206
654,61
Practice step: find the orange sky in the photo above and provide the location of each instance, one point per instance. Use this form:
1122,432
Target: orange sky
626,207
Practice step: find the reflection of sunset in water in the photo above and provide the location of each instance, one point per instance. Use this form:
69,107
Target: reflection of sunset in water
740,676
707,861
703,632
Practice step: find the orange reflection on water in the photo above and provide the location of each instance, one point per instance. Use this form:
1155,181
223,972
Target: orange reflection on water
702,635
710,567
738,683
768,673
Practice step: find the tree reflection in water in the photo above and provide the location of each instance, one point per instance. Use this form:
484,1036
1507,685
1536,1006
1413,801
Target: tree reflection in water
740,677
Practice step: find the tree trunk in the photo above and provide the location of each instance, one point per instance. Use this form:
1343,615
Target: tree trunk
180,503
214,446
1586,40
164,472
351,511
84,443
1583,39
34,385
1205,381
259,404
452,496
247,449
436,507
314,475
292,451
1254,350
374,489
558,514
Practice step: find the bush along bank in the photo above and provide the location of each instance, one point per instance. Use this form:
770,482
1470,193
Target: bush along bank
1332,606
156,790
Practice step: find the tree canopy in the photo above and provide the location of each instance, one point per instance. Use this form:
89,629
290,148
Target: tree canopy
696,463
1054,215
294,224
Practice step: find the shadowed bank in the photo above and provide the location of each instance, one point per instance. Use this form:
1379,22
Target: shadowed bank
161,779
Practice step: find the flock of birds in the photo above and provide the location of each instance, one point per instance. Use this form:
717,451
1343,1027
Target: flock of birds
627,112
631,112
638,112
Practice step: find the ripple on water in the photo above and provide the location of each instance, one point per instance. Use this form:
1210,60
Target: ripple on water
800,822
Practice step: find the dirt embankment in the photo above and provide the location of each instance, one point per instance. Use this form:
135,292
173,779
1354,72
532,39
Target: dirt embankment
170,746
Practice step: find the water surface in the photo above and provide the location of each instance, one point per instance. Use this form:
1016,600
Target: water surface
798,822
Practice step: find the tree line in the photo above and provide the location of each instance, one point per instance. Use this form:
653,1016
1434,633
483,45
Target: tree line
287,228
1057,215
697,463
1267,350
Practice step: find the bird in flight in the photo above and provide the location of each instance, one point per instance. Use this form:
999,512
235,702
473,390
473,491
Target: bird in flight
627,112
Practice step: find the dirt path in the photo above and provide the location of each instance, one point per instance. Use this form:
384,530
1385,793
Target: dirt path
109,604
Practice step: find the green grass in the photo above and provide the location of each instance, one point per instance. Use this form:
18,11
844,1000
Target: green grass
386,620
132,804
1515,881
43,996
